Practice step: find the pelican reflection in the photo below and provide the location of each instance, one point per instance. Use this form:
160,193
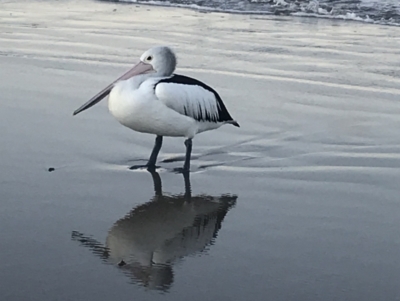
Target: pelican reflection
153,236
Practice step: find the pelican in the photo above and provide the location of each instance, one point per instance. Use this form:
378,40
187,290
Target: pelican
150,98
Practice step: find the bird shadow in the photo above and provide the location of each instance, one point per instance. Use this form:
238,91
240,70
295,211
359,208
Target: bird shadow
147,242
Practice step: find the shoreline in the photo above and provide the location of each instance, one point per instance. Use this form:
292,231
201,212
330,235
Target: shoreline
84,40
350,17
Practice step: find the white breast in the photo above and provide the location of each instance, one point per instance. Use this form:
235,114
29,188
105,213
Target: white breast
139,109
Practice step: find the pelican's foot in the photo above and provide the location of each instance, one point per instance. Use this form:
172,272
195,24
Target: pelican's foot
146,166
174,159
181,170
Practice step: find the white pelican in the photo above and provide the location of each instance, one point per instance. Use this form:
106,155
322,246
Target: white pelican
150,98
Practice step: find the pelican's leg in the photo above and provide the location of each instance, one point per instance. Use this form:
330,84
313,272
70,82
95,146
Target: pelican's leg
151,164
188,188
188,143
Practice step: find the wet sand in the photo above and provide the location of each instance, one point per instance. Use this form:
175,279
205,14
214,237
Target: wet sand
300,203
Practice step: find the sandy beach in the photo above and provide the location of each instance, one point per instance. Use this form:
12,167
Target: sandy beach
300,203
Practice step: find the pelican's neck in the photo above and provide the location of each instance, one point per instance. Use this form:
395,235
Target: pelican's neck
137,80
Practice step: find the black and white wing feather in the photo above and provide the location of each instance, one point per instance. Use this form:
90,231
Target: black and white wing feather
192,98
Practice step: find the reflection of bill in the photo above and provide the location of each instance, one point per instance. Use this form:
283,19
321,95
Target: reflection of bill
150,238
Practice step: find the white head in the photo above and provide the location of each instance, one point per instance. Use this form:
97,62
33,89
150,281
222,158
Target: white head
162,60
157,61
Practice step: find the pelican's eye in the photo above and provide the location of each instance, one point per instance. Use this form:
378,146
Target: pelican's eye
149,58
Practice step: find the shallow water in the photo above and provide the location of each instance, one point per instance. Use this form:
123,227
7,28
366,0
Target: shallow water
300,203
385,12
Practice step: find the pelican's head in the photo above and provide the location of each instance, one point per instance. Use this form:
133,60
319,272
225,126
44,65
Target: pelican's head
161,59
157,61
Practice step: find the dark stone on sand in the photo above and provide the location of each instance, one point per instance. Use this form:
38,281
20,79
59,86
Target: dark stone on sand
122,263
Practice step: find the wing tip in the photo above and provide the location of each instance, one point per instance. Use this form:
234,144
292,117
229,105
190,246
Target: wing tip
235,123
